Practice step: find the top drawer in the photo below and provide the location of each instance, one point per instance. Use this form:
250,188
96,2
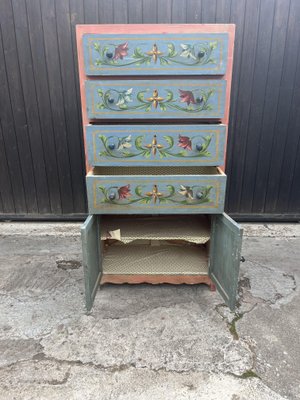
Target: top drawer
155,54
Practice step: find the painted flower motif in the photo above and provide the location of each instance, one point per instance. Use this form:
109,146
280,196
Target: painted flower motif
124,98
121,51
185,142
124,192
154,145
155,194
188,51
155,99
154,52
124,142
187,97
186,191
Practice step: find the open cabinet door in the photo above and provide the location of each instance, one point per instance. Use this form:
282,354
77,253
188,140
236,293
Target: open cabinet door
91,258
225,254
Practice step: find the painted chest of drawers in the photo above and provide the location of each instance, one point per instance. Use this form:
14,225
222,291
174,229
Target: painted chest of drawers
155,106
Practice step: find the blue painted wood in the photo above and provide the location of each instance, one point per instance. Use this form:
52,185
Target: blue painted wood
155,191
91,254
123,99
155,54
225,255
151,145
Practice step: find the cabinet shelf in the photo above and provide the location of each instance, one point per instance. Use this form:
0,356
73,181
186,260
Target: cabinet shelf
161,259
194,229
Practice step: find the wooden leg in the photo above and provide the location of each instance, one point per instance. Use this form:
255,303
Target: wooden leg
212,287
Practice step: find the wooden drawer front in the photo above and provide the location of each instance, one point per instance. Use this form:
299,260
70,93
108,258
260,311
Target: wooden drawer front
136,99
155,145
156,54
150,194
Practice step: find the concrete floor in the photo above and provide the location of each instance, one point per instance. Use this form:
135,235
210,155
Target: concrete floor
146,342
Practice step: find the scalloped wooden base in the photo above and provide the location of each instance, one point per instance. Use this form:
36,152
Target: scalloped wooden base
158,279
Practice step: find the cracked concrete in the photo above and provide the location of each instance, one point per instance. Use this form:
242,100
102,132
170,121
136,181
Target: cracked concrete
145,342
275,322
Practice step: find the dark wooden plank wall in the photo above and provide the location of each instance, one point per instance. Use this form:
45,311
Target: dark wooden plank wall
41,152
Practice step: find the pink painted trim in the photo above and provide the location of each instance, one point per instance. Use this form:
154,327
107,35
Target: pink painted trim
228,77
79,32
154,28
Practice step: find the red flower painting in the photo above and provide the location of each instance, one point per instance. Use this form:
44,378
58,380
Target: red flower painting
187,97
121,51
185,142
124,192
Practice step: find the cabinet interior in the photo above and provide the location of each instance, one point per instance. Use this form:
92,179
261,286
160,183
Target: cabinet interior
164,245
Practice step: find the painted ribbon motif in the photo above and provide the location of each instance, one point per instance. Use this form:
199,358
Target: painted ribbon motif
190,195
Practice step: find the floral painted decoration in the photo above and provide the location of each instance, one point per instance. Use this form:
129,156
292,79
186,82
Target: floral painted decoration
187,97
155,194
186,191
190,54
121,51
154,146
124,143
155,99
185,142
124,97
155,53
192,195
124,192
119,100
193,147
188,51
